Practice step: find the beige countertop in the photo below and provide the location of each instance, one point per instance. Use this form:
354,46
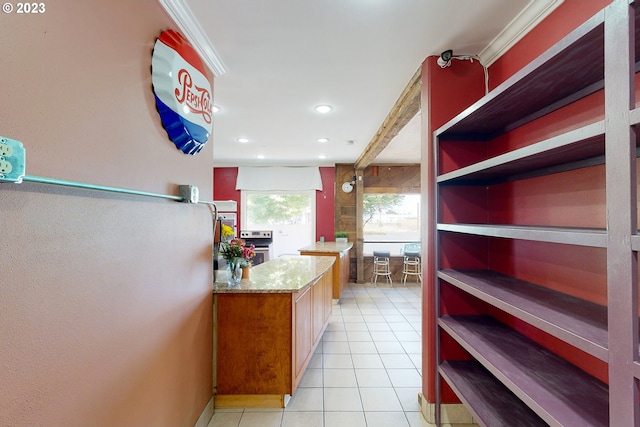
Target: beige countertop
327,247
281,275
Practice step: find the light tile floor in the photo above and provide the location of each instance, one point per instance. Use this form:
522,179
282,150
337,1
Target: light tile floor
366,371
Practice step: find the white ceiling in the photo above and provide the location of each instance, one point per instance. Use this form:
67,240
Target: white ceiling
283,57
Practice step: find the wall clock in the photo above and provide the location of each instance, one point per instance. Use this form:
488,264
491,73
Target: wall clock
347,187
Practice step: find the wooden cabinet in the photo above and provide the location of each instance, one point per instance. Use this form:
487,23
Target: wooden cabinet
328,296
265,341
536,253
303,321
312,311
344,267
318,311
341,267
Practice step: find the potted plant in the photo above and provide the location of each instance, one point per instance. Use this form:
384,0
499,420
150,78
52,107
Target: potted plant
341,236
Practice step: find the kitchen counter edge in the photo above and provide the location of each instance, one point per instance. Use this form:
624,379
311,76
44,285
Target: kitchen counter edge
327,247
288,274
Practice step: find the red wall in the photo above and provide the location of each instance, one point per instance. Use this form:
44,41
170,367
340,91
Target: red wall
445,93
567,17
325,201
224,188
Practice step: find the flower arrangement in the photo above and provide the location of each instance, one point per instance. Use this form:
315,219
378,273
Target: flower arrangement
226,232
236,251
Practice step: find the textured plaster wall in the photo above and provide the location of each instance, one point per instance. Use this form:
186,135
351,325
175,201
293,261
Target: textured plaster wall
105,300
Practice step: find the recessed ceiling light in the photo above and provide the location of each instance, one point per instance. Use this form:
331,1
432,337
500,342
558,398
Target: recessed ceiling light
322,156
323,108
323,139
215,108
242,140
260,156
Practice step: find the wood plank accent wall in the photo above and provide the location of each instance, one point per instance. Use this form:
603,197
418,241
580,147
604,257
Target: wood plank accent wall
345,203
345,213
392,179
389,178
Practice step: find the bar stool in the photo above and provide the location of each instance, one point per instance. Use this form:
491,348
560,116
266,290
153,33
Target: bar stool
381,266
411,265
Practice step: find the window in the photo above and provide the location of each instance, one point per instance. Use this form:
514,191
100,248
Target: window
289,214
390,221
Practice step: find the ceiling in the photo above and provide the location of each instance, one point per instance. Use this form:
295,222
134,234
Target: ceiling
282,58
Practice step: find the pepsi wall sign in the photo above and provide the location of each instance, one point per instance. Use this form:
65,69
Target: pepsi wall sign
182,91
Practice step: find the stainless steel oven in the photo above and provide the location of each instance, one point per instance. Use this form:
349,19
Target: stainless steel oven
262,240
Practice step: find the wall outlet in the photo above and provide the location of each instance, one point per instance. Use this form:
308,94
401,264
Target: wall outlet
12,160
5,167
5,150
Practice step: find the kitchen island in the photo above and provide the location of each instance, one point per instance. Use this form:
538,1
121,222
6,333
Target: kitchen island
267,328
340,251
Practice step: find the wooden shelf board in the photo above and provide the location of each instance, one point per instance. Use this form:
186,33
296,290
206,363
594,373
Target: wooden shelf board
580,323
634,116
571,236
571,65
577,148
636,369
560,393
491,404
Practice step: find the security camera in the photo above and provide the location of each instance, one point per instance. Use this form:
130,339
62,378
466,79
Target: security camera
445,58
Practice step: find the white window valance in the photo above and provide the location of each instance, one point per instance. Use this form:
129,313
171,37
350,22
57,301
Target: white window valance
278,178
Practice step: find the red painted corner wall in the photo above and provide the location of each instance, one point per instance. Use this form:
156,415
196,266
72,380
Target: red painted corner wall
224,188
445,93
325,202
567,17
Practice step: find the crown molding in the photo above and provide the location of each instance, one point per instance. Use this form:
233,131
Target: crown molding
183,17
526,20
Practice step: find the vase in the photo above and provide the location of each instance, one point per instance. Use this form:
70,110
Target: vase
234,273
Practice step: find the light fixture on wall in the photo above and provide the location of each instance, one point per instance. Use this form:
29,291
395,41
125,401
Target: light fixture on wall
347,187
445,58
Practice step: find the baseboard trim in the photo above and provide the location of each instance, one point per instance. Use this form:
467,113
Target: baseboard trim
232,401
451,413
206,415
